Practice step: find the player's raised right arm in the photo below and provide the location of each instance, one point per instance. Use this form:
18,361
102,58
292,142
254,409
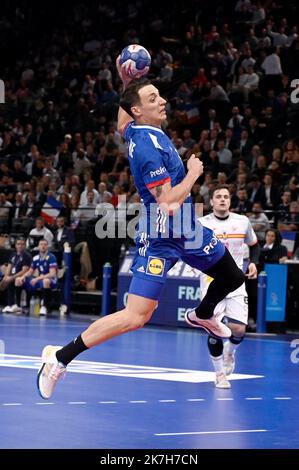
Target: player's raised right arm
123,117
173,197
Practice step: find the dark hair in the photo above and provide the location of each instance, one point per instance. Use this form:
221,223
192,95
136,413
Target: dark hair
278,237
130,96
217,188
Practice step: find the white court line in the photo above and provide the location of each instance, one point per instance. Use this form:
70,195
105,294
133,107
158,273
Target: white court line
106,402
282,398
253,398
195,399
137,401
44,403
12,404
167,401
76,402
224,399
207,432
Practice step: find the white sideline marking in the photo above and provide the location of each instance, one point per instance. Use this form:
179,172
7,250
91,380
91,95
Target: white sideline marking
107,402
224,399
137,401
167,401
208,432
12,404
195,399
76,402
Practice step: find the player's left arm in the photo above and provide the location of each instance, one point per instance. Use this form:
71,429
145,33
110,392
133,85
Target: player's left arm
254,254
254,251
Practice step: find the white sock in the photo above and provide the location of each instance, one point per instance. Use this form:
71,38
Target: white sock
218,363
231,347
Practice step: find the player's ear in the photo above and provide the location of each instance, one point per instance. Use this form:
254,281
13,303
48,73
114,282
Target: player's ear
211,203
136,111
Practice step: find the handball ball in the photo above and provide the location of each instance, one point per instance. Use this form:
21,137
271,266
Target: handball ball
135,61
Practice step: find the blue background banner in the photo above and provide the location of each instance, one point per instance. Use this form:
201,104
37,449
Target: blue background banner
181,291
276,292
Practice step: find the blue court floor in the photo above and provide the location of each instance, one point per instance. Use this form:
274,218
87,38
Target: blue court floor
150,389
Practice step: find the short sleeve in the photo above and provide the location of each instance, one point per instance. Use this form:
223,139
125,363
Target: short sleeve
52,261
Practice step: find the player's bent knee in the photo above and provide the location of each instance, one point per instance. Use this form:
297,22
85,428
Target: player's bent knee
136,320
238,330
46,283
215,346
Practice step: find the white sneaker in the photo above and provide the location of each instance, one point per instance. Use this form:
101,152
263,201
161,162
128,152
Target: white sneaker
221,381
213,325
229,360
50,372
43,311
16,309
7,309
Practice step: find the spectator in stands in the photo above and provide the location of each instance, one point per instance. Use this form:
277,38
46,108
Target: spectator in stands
42,275
259,221
273,251
62,234
5,210
290,222
243,205
39,232
18,209
256,192
31,207
87,210
18,264
271,193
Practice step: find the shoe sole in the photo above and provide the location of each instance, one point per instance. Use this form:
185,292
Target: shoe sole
223,388
44,357
207,329
37,382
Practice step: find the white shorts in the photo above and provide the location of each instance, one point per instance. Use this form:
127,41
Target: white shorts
235,304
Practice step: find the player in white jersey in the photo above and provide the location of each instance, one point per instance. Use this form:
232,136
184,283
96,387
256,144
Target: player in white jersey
233,230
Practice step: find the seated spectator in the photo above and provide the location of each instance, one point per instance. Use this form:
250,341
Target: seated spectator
243,205
18,208
62,235
39,232
32,208
18,264
5,210
290,222
42,274
273,251
87,210
271,193
224,156
259,221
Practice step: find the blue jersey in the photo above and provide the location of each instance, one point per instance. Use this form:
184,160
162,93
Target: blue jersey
154,161
43,264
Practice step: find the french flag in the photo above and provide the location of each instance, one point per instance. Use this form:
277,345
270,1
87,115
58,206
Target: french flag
288,240
51,209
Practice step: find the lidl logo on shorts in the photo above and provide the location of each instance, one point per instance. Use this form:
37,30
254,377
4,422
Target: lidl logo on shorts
155,266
